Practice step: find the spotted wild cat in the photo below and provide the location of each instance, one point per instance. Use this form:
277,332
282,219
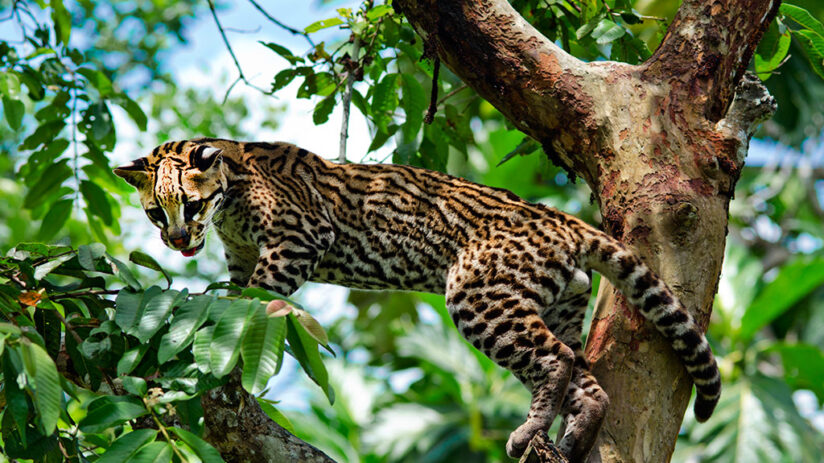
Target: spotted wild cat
516,275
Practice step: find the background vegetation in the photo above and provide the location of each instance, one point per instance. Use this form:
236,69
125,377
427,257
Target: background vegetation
84,82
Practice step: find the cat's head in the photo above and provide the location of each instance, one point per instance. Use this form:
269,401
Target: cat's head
181,186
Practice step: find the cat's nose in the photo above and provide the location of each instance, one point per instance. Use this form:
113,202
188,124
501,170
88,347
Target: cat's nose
179,237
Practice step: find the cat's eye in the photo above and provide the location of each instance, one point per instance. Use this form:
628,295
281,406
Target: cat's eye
191,208
157,215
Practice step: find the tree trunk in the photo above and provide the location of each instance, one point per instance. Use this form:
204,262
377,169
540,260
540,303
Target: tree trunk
660,144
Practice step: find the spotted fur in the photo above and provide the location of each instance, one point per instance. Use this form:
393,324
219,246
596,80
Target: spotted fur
516,275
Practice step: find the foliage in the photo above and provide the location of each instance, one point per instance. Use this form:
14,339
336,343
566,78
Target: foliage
89,371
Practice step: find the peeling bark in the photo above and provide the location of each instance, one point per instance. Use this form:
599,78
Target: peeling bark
661,144
239,429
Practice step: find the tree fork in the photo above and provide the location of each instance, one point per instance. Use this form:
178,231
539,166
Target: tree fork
661,144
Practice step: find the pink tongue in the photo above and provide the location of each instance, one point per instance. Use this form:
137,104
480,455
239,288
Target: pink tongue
188,252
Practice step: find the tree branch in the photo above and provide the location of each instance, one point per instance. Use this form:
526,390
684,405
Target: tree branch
239,429
710,45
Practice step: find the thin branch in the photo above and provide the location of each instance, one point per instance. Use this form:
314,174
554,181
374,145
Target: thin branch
291,30
232,52
452,93
347,100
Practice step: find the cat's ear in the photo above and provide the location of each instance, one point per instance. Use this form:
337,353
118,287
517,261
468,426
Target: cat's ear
134,173
206,158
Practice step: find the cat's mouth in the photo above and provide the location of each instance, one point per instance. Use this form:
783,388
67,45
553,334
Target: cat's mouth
192,251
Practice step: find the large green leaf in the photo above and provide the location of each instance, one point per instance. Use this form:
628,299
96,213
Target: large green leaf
54,219
154,313
47,392
187,319
228,334
127,445
201,348
794,281
261,349
154,452
97,200
755,421
206,452
803,366
49,183
145,260
304,348
413,101
14,111
802,17
109,411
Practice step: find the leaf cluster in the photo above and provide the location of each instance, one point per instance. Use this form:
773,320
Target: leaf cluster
93,373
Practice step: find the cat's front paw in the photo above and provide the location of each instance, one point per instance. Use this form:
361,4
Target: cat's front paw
519,438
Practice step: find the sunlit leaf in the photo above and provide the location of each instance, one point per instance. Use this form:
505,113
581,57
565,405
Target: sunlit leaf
109,411
261,349
126,445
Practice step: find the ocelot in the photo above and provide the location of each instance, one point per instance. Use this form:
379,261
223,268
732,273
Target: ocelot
516,275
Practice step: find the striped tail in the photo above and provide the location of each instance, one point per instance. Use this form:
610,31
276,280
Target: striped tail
657,304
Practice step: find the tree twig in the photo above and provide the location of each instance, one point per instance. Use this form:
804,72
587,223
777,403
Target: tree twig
232,53
291,30
347,100
433,97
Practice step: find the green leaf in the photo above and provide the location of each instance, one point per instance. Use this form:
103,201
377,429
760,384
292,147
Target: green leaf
803,366
802,17
45,268
62,21
378,12
97,125
131,358
154,452
275,415
322,24
201,348
47,392
607,31
128,305
55,218
228,334
206,452
312,327
98,80
134,385
132,109
154,313
813,46
10,85
794,281
323,110
97,201
145,260
261,350
283,52
14,111
384,100
110,411
124,272
49,183
283,78
304,348
413,101
127,445
88,254
187,319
